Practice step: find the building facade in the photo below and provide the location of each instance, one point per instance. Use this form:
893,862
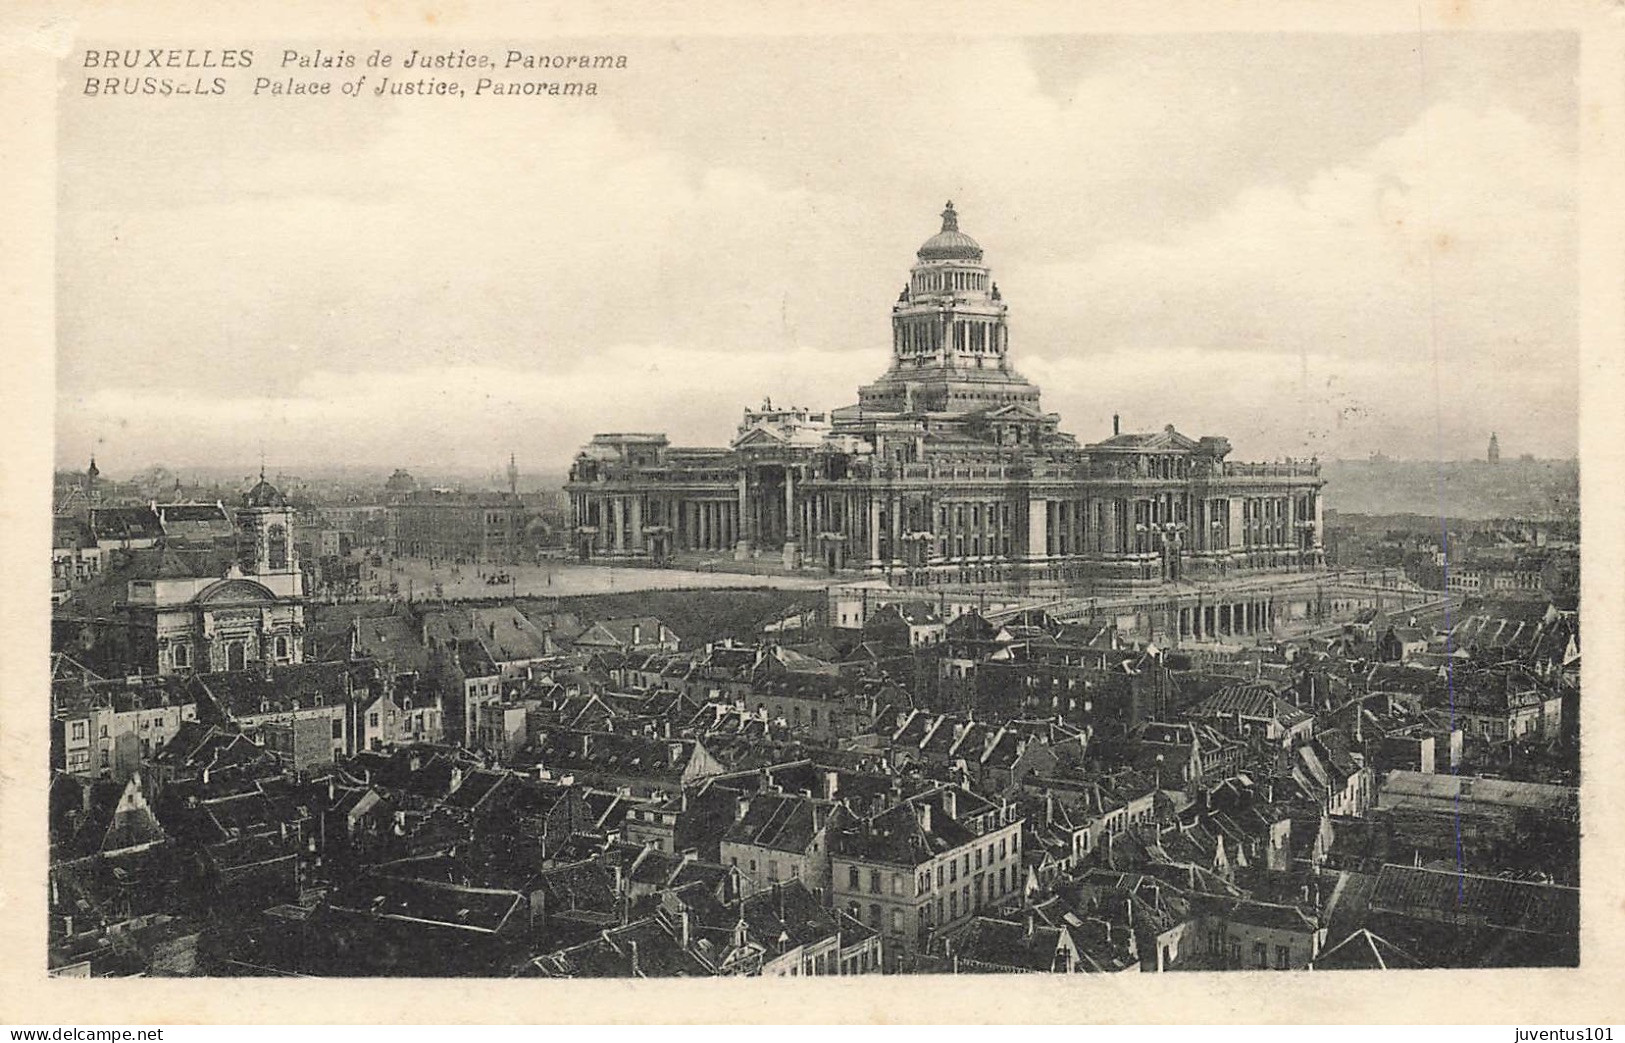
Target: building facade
924,866
469,528
948,470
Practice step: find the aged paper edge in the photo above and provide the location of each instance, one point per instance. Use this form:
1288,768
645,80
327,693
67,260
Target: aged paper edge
34,35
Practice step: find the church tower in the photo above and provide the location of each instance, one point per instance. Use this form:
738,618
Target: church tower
1494,454
92,473
267,554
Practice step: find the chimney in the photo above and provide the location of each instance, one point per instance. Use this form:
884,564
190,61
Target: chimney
950,802
741,808
1117,424
924,811
832,784
1032,922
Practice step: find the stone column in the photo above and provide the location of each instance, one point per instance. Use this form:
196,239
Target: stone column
874,530
743,540
1037,528
790,519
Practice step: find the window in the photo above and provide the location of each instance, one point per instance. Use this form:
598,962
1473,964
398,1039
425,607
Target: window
874,881
897,883
277,546
953,906
773,869
372,719
106,758
978,858
939,874
874,916
338,728
897,921
1283,957
182,655
1261,955
852,879
78,729
953,871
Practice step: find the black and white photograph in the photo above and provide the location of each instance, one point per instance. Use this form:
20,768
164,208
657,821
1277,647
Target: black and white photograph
955,500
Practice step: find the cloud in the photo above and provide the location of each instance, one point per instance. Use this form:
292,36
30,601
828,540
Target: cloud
470,416
1198,229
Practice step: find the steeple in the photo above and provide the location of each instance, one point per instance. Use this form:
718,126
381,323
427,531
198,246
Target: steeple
1494,454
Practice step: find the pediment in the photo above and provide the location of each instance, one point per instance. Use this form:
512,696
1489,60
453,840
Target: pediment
236,592
760,437
1015,411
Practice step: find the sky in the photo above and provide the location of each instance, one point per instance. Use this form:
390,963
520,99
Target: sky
1312,245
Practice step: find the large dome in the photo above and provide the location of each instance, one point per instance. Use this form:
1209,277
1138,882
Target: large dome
950,244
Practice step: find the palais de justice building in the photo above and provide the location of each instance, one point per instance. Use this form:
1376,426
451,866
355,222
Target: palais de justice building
948,470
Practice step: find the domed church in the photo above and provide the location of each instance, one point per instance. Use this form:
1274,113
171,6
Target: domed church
252,616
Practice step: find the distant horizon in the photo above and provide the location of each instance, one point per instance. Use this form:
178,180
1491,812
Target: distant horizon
420,473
